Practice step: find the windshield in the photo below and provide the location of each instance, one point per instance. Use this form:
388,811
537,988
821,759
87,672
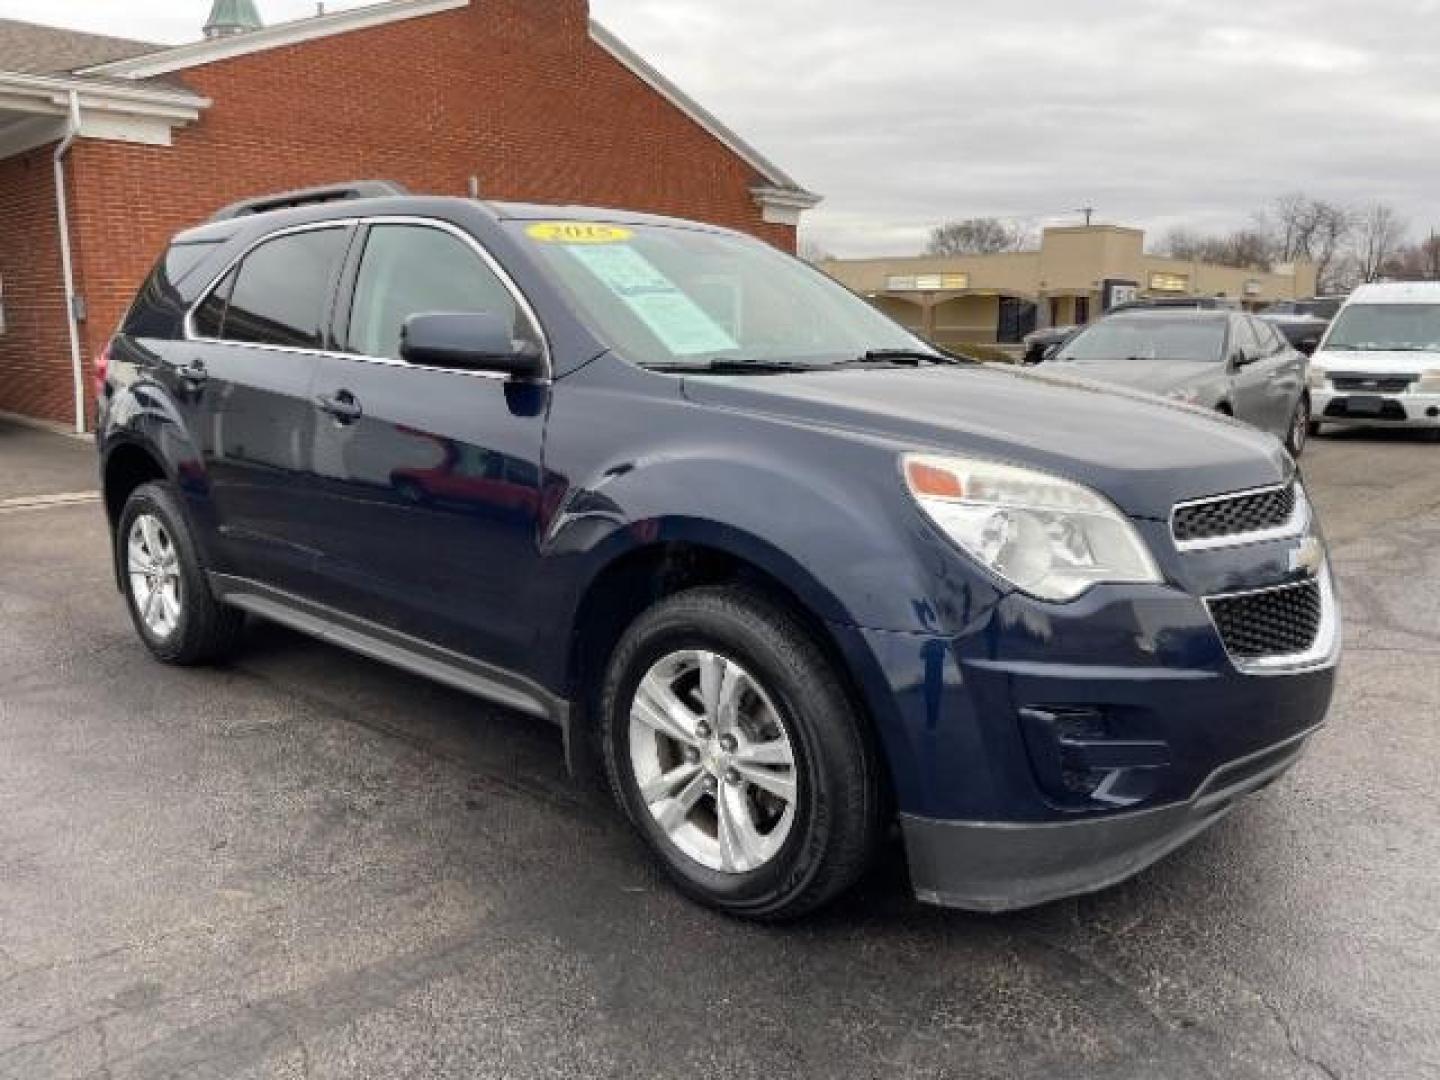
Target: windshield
1387,328
1149,338
675,297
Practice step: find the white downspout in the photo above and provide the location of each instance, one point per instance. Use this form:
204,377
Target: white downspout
62,214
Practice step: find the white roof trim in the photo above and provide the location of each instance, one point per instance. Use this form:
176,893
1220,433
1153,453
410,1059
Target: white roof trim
272,37
56,89
139,114
695,111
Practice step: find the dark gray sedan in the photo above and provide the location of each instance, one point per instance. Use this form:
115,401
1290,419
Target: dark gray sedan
1228,361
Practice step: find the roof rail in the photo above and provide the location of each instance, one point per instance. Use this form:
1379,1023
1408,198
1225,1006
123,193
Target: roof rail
286,200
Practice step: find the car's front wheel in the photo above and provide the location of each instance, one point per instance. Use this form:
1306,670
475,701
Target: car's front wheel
1300,427
736,753
170,602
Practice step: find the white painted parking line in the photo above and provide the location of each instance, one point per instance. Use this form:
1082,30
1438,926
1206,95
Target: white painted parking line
47,502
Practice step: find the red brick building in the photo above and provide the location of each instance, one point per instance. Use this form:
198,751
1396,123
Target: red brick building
518,99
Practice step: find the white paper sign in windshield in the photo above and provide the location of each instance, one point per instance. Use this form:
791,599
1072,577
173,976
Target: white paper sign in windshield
679,322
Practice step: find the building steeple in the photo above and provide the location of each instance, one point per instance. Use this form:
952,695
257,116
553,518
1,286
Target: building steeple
232,17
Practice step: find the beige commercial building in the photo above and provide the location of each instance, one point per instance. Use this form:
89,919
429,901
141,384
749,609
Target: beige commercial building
1075,275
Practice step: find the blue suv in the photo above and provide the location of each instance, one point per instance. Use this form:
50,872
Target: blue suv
792,574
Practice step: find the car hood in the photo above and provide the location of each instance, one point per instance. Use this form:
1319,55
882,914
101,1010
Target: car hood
1400,363
1144,454
1153,376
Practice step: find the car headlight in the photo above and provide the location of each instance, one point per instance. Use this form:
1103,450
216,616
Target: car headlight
1319,378
1429,383
1048,537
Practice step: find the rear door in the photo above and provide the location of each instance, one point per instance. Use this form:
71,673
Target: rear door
243,379
429,481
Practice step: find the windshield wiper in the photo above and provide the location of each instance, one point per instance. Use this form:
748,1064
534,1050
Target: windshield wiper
729,365
913,356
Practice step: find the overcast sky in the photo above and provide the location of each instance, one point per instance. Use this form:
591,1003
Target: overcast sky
906,112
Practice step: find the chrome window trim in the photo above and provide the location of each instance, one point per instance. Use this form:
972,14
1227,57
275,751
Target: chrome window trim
1324,653
385,219
1297,525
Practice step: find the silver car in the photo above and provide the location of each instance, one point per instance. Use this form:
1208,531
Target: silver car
1227,361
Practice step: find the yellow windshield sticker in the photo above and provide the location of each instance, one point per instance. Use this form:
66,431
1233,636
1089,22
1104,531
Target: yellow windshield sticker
577,232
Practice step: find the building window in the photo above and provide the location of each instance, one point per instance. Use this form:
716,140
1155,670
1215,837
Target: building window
1170,283
1082,310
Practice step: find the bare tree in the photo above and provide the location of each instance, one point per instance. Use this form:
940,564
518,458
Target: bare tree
1306,229
1243,248
1379,231
1333,227
1415,262
976,236
1429,250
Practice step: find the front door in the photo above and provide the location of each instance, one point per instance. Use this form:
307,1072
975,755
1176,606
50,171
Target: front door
242,379
429,481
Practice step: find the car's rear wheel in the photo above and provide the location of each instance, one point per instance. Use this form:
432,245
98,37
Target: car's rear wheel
738,756
1299,427
170,602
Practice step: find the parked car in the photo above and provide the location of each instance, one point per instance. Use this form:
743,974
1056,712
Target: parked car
1177,303
1040,343
1303,332
1324,308
1228,362
1379,363
794,574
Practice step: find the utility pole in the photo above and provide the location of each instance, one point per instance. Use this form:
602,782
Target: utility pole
1089,212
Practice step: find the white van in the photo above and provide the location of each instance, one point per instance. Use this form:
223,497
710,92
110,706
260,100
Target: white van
1379,363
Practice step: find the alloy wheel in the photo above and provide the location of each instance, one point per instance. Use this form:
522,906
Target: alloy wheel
154,571
713,761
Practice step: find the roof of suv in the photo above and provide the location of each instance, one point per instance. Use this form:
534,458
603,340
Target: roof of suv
1398,292
221,229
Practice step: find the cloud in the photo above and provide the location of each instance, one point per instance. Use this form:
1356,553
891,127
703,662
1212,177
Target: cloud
909,112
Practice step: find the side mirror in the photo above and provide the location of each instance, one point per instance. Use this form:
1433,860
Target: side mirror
469,341
1240,359
1309,345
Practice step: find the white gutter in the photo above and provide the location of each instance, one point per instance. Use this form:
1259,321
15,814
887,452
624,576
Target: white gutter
67,264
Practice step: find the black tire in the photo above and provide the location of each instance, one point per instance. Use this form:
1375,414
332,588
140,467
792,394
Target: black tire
1300,426
205,630
838,808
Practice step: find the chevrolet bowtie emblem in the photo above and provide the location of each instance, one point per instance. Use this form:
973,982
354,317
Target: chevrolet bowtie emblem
1309,557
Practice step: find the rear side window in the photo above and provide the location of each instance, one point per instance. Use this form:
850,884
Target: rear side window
410,269
279,294
209,318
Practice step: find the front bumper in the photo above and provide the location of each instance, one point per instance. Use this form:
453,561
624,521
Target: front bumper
1408,410
1058,749
993,867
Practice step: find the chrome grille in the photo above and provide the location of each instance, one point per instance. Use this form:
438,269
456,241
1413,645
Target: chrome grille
1374,384
1276,622
1234,516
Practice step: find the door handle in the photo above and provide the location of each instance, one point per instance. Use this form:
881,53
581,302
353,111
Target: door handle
342,406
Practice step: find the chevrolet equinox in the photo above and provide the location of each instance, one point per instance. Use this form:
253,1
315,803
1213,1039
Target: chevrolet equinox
793,575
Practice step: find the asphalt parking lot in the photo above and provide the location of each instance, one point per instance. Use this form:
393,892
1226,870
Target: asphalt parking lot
308,865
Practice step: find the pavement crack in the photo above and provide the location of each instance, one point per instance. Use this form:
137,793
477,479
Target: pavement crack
1127,992
1292,1040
